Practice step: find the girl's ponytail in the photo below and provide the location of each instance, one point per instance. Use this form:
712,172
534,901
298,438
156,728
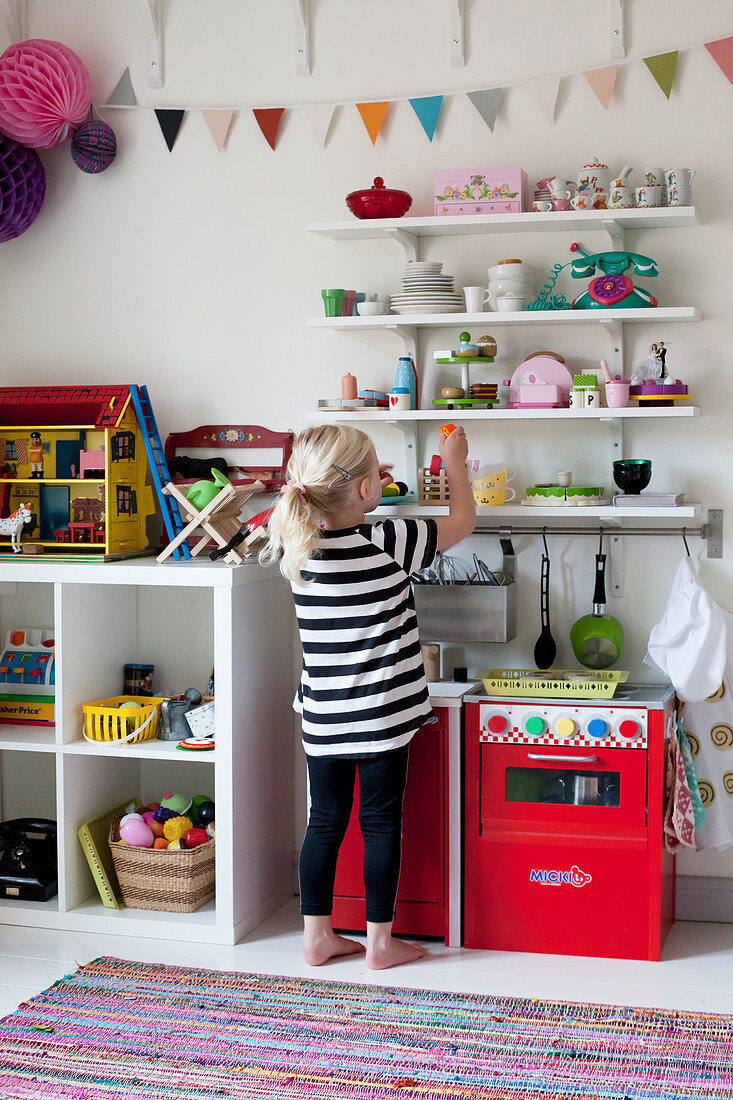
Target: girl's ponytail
292,532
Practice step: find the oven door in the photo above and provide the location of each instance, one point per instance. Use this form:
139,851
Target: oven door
567,790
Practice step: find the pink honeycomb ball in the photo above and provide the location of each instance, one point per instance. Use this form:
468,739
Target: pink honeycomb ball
137,834
45,92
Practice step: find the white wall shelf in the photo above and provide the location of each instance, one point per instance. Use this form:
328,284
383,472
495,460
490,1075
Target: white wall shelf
527,512
580,415
186,617
395,322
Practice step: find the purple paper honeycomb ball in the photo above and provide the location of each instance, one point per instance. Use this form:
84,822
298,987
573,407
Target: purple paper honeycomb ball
22,188
94,146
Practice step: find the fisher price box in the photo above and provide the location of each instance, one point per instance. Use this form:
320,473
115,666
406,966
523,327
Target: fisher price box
488,191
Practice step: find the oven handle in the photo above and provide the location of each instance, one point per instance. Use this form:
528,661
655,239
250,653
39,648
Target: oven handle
548,756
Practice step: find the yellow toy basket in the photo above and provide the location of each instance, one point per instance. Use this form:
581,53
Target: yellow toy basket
107,720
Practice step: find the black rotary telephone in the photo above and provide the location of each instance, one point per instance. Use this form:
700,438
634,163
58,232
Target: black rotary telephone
28,863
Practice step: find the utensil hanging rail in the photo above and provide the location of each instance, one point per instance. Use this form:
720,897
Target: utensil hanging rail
711,532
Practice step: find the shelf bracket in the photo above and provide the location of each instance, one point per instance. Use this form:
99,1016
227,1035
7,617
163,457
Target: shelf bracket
616,356
409,431
615,232
15,13
456,29
618,38
154,27
408,242
408,335
302,20
712,532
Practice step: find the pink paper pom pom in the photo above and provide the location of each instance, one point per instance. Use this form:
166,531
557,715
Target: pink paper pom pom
45,93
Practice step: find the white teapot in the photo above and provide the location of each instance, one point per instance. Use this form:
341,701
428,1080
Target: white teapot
594,176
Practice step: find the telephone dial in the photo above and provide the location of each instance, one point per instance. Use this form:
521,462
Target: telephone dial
612,288
28,863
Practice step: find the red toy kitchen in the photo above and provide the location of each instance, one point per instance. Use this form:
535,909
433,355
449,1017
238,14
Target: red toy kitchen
563,824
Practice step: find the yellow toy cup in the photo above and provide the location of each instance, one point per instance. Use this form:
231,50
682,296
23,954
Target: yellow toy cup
490,488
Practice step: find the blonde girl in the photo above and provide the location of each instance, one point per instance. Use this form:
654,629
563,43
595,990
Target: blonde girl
362,694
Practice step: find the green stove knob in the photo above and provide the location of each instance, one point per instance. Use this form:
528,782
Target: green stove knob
535,726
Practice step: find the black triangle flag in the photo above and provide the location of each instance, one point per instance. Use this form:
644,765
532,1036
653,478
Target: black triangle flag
170,123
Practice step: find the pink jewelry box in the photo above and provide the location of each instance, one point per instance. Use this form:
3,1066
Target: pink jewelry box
493,191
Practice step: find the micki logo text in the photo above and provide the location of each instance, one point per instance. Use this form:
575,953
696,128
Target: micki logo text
573,877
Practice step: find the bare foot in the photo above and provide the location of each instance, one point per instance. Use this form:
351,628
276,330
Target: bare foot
320,948
391,952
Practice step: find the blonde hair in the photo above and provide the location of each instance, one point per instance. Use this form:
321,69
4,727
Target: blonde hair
320,459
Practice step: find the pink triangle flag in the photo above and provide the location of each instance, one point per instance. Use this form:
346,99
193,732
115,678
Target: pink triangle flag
544,93
320,117
722,54
219,122
602,82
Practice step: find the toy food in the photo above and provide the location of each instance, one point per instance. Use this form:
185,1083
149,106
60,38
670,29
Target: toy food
130,817
194,807
179,803
195,837
211,830
136,833
148,817
156,828
452,391
178,844
205,814
487,346
177,827
160,842
162,814
446,429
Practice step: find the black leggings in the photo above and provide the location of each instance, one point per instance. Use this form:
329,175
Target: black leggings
381,789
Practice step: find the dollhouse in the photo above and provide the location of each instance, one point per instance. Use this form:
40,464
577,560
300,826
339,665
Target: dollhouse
75,457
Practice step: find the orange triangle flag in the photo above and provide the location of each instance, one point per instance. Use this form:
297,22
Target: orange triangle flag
602,82
373,115
268,120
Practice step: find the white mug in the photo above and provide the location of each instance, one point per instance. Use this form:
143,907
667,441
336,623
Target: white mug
476,298
510,303
650,195
653,176
679,195
679,177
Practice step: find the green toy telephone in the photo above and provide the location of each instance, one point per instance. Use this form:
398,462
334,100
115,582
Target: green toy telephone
613,288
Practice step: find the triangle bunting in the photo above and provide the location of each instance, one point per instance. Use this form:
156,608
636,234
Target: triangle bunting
320,117
662,68
544,92
722,54
487,104
268,120
602,82
124,94
373,115
218,123
427,109
170,123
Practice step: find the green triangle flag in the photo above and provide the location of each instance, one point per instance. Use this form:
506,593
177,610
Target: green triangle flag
487,104
662,67
427,110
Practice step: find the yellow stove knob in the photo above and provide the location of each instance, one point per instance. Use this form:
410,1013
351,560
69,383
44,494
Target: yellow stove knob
565,727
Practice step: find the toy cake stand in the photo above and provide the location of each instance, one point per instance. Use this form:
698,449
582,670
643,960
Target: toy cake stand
656,394
464,361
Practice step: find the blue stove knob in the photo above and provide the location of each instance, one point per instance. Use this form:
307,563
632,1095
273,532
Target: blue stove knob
597,728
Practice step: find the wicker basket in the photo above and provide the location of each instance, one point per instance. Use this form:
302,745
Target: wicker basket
170,881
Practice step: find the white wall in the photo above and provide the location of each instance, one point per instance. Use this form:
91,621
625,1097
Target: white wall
193,271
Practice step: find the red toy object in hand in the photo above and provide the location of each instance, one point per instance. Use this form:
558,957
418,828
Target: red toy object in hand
435,464
378,201
446,429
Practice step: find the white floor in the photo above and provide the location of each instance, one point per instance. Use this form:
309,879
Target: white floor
696,971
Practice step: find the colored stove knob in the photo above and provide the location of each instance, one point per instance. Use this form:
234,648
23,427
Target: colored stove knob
496,724
597,727
629,729
565,727
535,726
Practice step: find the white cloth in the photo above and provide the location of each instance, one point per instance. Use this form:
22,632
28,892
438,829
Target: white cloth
690,643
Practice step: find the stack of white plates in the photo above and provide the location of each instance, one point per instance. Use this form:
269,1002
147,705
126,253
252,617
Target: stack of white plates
426,290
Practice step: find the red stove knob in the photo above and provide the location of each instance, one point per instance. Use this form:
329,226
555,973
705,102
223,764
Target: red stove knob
496,724
629,729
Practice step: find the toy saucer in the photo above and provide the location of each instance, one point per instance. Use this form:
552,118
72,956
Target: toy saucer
190,744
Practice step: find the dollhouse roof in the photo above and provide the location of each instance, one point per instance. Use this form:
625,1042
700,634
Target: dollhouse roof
101,406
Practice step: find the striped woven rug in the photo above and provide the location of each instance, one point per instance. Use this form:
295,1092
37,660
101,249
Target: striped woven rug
119,1030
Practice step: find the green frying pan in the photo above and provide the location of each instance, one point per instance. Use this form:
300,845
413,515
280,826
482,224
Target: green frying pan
597,638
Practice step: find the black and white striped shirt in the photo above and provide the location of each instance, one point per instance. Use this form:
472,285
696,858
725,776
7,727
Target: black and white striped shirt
363,686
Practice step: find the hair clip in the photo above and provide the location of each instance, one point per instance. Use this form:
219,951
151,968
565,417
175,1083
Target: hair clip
344,473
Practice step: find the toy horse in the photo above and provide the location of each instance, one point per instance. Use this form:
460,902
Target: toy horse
13,525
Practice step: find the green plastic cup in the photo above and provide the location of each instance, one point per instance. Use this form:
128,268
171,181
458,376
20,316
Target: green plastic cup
333,301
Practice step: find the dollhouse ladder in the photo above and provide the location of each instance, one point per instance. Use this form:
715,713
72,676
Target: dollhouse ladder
158,467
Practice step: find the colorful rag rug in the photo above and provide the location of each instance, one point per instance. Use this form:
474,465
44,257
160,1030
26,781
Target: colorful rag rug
119,1030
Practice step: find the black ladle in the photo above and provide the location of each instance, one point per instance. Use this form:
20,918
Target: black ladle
545,649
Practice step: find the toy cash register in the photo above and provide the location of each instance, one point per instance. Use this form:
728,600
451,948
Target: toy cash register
28,677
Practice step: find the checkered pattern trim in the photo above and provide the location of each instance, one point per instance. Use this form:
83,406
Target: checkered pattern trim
579,740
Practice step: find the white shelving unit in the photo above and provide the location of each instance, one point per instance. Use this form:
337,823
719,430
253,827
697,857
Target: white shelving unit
186,618
409,233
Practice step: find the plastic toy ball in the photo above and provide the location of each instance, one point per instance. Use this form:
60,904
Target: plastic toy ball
177,827
163,814
45,93
178,844
131,817
195,837
179,803
205,813
137,833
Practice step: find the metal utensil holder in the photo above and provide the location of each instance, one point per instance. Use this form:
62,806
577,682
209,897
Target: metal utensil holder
469,612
